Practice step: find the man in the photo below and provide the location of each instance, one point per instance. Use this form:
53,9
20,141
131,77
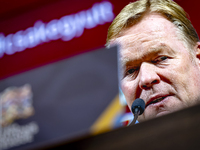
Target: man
159,56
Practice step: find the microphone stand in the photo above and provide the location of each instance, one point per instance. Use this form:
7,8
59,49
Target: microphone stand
136,114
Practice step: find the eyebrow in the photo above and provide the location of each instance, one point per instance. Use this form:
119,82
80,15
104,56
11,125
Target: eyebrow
147,55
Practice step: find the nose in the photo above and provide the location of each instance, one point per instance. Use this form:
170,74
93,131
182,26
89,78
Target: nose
148,76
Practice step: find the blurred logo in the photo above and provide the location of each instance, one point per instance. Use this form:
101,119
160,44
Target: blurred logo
15,103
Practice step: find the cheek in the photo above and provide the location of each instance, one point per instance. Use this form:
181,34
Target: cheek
129,91
179,72
185,80
184,72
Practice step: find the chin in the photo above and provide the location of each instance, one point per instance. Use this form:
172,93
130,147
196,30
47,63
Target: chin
162,113
154,115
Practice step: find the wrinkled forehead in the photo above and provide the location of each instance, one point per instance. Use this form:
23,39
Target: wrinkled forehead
138,40
152,25
137,45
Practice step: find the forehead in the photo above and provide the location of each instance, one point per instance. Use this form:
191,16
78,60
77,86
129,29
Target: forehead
152,25
152,32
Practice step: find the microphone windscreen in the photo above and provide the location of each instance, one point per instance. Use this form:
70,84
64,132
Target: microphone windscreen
138,103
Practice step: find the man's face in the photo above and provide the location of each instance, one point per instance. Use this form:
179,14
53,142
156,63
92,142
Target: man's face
158,67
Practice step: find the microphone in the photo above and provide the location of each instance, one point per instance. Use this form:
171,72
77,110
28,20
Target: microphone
137,108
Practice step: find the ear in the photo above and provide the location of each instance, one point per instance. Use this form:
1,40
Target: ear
198,51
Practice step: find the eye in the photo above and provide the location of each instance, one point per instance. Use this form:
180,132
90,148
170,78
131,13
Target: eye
160,59
131,71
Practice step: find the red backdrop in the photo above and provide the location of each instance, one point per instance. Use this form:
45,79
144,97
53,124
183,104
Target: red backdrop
22,14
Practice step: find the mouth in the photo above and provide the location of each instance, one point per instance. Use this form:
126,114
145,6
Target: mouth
154,101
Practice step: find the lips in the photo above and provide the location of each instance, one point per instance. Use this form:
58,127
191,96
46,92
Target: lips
155,100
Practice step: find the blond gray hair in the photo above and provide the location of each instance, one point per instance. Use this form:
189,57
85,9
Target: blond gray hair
134,12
